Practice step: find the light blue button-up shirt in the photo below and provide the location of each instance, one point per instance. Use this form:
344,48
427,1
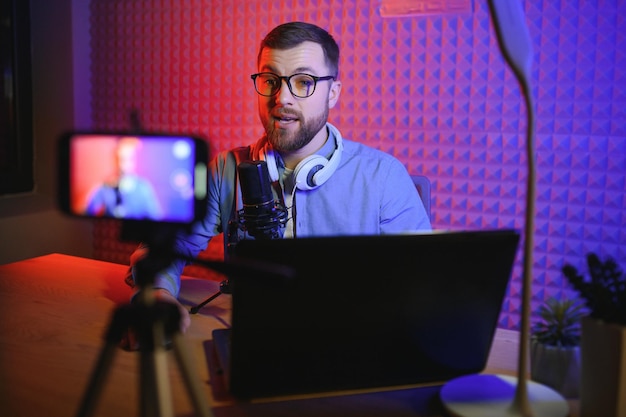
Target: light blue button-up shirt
369,193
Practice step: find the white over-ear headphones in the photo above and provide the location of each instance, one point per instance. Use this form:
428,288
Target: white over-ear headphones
312,171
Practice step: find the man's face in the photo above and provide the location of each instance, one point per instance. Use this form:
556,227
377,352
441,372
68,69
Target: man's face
126,155
291,122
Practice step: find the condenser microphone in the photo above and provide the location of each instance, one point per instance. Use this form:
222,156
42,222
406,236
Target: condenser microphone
261,217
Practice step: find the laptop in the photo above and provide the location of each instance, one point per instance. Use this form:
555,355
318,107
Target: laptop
365,312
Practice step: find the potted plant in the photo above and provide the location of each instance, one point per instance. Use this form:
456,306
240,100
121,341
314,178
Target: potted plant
603,337
555,346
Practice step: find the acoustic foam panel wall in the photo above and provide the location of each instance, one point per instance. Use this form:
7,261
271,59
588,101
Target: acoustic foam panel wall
432,90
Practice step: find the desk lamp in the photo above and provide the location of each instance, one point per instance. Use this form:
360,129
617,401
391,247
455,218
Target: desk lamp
485,395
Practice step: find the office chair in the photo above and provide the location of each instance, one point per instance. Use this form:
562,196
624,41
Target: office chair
422,183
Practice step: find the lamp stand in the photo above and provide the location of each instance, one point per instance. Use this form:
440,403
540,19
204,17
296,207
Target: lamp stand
485,395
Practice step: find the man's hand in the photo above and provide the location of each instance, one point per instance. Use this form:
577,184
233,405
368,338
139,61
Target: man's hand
164,295
129,339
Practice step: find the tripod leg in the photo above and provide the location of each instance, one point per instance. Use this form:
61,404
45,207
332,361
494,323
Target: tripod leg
193,385
119,323
158,322
94,389
156,398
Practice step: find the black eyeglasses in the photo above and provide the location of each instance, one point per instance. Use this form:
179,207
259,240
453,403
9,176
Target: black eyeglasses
301,85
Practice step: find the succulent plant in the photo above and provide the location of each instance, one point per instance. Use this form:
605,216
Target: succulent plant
605,292
559,323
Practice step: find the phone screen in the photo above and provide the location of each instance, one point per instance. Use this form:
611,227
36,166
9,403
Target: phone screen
146,177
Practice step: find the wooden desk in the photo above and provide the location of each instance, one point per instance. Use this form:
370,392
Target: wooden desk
54,311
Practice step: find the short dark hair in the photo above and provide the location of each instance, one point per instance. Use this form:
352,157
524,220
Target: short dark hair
292,34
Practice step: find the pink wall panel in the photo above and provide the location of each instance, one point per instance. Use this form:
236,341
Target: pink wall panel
432,90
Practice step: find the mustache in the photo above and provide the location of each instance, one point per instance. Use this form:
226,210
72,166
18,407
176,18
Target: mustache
287,112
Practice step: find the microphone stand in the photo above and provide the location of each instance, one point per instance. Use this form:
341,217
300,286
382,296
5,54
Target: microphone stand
241,266
262,227
224,289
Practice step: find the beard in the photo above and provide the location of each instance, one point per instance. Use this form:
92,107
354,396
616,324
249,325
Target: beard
286,141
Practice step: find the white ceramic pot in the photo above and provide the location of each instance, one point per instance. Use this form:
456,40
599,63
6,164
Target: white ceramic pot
557,367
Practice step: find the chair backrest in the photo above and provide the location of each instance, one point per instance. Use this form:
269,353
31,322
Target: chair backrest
422,183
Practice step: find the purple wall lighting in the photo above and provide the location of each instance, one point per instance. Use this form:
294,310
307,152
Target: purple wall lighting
433,90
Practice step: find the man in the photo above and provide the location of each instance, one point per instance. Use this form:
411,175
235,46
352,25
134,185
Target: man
329,185
124,194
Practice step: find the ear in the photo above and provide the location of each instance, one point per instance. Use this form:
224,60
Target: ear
333,94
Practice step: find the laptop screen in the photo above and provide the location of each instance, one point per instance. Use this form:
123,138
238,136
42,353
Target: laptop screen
367,311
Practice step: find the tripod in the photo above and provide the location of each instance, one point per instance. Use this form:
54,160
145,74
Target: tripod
154,322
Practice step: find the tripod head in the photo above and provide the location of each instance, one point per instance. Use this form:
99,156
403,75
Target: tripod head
159,239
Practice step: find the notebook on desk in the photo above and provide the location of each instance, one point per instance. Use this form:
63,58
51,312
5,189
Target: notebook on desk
365,311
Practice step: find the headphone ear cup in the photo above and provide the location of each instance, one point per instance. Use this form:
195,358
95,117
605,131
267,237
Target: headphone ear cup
315,170
305,174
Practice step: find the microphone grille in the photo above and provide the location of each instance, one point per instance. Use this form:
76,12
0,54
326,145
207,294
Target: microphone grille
254,179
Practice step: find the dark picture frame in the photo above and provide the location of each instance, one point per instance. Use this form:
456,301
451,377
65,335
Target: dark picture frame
16,114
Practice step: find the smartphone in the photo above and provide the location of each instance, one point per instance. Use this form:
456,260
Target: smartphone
145,177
